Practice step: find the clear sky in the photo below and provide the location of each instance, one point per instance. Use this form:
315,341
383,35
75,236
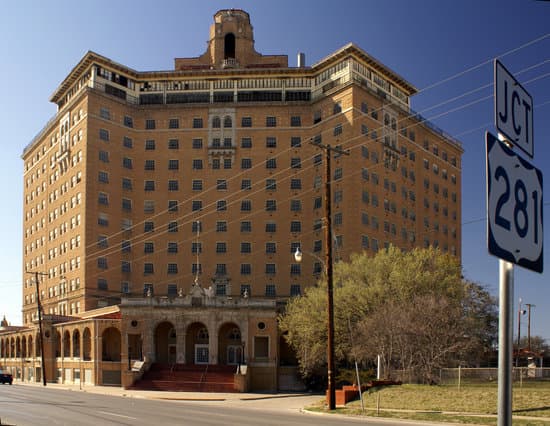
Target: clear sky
427,42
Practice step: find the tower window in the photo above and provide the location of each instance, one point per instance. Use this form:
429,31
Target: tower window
229,46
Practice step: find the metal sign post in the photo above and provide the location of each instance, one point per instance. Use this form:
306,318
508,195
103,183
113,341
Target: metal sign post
514,213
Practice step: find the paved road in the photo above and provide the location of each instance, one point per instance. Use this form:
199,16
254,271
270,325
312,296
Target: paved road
32,405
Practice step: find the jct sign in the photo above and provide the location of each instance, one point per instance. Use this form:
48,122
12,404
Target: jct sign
514,204
513,110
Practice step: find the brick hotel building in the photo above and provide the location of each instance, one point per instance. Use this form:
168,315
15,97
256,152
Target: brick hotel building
162,208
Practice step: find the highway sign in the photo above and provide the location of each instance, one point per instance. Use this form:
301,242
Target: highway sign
514,207
513,110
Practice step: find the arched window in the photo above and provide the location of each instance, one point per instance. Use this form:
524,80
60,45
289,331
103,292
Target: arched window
227,122
229,46
216,123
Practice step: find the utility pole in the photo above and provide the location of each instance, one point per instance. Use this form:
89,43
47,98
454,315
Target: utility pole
529,305
36,280
520,313
328,265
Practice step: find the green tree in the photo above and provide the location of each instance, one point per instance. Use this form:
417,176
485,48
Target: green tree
413,308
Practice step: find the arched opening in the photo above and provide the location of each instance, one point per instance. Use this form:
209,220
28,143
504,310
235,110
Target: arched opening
57,344
111,345
216,122
165,343
230,345
2,348
196,344
87,344
229,46
66,344
30,350
287,356
37,349
76,344
24,347
227,122
18,348
12,348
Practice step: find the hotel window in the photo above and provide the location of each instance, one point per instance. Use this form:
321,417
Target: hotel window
148,226
150,124
227,122
104,135
125,266
270,227
246,184
317,203
126,246
364,129
270,269
221,226
128,121
173,185
148,247
337,108
197,185
197,143
295,142
246,226
246,122
270,142
364,108
221,205
246,269
216,122
127,142
103,177
338,196
172,205
196,205
126,204
221,247
337,130
295,226
103,198
270,291
197,164
245,289
196,226
338,173
295,163
149,165
104,156
295,184
338,218
196,268
172,290
246,163
227,163
102,262
270,247
270,205
295,121
317,117
295,289
196,248
295,205
102,284
271,121
103,219
197,123
246,247
174,123
221,269
270,184
216,163
318,159
173,226
147,289
246,143
149,185
102,241
295,269
148,268
127,163
150,145
246,205
173,144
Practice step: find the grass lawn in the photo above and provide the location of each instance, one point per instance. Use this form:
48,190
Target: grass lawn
473,404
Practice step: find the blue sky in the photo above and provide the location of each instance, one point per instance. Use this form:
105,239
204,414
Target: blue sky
427,44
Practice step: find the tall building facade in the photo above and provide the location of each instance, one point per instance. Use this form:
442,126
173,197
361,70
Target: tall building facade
169,204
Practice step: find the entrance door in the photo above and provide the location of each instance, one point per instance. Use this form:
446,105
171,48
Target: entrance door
234,354
201,354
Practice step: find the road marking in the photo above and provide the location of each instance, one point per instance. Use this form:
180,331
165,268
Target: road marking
118,415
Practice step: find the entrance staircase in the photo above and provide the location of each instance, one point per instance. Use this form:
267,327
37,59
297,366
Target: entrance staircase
187,378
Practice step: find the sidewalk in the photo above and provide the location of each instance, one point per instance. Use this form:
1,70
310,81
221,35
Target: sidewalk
290,401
